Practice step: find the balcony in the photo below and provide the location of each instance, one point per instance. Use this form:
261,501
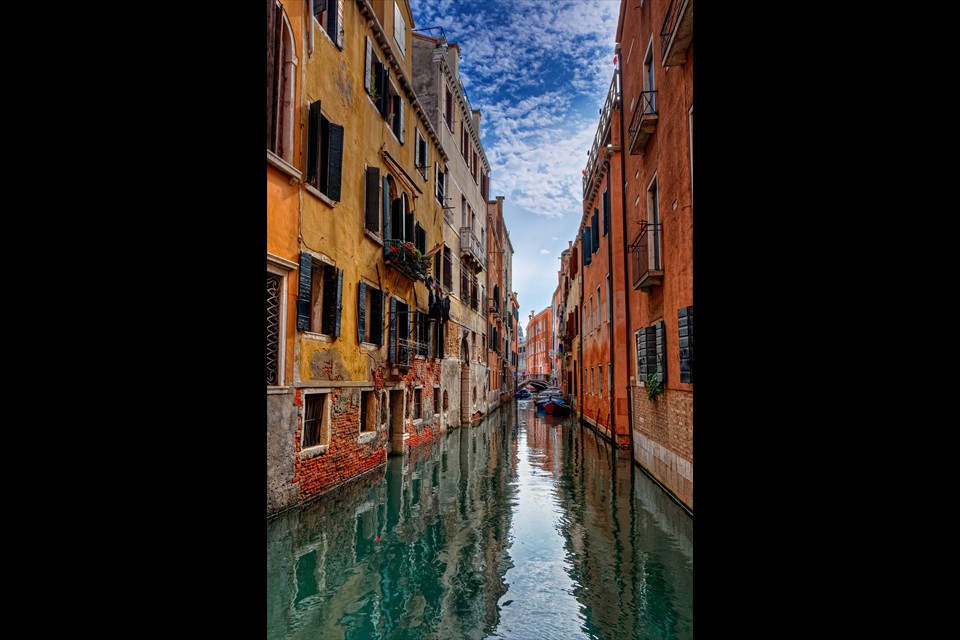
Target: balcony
593,172
646,252
493,306
677,32
405,258
643,123
471,249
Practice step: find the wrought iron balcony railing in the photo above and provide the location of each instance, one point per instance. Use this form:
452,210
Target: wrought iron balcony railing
643,123
677,32
646,252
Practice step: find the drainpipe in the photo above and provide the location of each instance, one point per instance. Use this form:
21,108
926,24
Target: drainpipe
626,251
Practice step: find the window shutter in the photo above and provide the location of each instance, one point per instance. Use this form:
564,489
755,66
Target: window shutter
361,309
685,323
416,149
660,338
587,244
373,199
332,26
385,195
335,156
596,230
402,120
606,211
303,293
392,337
336,328
319,6
313,142
366,66
376,317
384,90
271,67
329,316
339,38
447,268
408,226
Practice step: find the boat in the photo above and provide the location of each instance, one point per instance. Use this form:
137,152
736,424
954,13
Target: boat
556,407
523,393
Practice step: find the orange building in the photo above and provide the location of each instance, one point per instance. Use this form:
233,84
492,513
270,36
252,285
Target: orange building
539,350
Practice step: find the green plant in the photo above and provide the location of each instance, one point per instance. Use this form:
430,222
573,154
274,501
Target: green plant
654,386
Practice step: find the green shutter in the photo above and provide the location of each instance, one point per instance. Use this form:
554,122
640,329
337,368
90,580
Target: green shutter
313,143
335,158
328,317
376,317
373,200
361,309
385,195
303,293
392,336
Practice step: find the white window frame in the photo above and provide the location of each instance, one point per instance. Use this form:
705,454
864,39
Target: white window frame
326,415
281,267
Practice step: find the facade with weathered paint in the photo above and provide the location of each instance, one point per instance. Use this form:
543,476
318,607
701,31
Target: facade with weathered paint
284,90
353,218
463,192
656,55
499,313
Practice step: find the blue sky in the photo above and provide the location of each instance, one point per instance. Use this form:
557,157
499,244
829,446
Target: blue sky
539,72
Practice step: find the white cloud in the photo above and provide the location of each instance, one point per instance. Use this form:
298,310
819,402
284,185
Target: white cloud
544,252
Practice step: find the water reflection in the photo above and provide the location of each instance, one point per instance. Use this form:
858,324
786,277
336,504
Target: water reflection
522,527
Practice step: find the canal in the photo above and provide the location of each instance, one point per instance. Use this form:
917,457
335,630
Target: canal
525,526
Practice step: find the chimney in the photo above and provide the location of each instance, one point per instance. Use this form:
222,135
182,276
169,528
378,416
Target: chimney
476,121
454,58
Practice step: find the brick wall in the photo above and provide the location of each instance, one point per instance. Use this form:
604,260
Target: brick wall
663,439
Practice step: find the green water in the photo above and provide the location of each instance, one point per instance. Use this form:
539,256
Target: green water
522,527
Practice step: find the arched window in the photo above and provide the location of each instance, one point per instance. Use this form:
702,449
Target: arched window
281,85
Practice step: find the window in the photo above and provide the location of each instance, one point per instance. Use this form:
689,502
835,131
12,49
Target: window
648,80
420,158
275,327
421,333
369,314
476,168
606,210
436,399
368,412
587,243
441,184
419,237
590,314
329,13
324,153
610,376
319,298
417,399
399,30
595,234
653,219
447,269
599,381
393,109
316,419
372,200
599,316
373,74
281,83
398,346
449,112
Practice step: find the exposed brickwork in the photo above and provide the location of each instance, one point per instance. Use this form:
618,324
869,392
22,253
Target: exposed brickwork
663,440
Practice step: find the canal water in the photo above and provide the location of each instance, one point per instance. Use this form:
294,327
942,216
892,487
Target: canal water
525,526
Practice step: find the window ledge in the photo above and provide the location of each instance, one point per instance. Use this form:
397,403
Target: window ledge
369,346
313,452
274,391
318,337
366,436
373,236
283,165
318,194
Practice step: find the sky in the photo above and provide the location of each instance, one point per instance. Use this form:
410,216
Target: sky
539,72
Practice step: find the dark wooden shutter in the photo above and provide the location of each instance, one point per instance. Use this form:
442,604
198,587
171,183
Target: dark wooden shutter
384,80
334,144
595,229
313,143
332,23
392,336
685,324
397,221
328,317
373,199
409,227
361,309
385,195
271,69
606,211
418,329
447,268
336,327
303,293
660,339
587,244
339,38
376,317
401,131
419,240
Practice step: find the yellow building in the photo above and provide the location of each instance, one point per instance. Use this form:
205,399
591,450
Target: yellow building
366,380
284,54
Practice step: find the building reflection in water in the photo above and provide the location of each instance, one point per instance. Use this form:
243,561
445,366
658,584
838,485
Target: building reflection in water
522,525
